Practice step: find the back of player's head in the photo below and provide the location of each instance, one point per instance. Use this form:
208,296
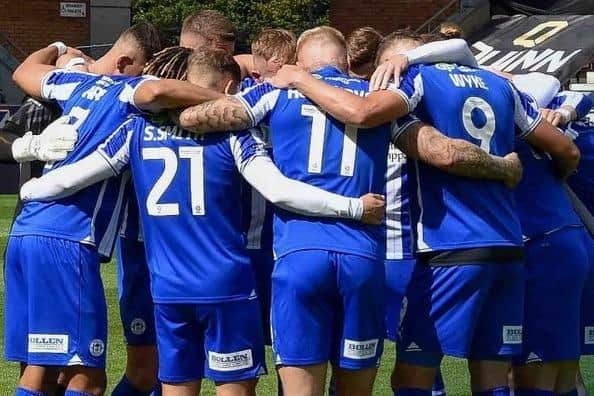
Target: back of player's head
275,43
135,46
322,46
145,37
170,63
451,30
362,45
208,28
398,42
215,69
271,49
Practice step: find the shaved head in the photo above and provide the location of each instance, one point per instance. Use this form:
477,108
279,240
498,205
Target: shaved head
320,47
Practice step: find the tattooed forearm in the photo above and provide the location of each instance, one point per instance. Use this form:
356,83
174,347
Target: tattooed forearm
227,114
458,157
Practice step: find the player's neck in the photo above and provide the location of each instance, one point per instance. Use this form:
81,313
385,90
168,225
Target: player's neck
103,65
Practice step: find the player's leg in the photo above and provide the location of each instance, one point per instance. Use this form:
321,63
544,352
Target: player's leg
362,290
235,357
74,334
303,320
180,343
551,345
498,333
137,316
444,303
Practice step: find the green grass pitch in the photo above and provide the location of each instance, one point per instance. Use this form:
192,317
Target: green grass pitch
454,370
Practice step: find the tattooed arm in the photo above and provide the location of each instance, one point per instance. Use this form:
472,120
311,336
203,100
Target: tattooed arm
226,114
458,157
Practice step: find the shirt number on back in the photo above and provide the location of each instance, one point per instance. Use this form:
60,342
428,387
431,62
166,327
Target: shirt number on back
485,132
170,160
316,144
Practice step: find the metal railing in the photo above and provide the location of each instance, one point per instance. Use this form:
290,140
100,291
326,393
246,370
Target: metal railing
429,27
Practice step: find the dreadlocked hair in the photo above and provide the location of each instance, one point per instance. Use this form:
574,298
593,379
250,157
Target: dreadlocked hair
171,63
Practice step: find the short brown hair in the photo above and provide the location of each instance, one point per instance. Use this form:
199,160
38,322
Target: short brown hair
208,61
362,44
145,37
319,33
279,43
406,34
450,30
210,24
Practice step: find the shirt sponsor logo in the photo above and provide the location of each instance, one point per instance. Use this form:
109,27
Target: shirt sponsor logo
97,347
512,335
230,361
138,326
48,343
360,349
589,335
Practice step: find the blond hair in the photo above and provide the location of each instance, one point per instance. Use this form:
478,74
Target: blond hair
321,33
275,43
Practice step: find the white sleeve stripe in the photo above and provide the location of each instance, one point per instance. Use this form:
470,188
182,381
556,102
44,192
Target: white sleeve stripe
108,161
406,99
532,127
247,107
127,95
262,107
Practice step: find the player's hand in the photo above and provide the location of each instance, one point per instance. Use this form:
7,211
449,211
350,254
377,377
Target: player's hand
74,52
391,69
53,144
374,208
554,117
286,76
25,191
515,170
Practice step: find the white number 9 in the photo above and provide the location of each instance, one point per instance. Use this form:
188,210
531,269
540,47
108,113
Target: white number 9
484,133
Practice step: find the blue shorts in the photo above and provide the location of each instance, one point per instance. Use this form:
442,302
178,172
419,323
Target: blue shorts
55,307
262,262
328,306
587,307
466,311
134,286
220,341
398,273
555,272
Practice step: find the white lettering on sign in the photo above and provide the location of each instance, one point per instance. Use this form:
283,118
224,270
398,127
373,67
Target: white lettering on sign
73,10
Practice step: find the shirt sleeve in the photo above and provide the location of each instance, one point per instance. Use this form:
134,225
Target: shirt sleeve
581,103
446,51
401,125
245,146
540,86
60,84
411,88
526,113
126,97
115,150
259,101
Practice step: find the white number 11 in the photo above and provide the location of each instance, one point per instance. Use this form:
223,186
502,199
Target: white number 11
316,145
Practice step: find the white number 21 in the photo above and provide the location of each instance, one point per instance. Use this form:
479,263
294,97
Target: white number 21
316,145
170,160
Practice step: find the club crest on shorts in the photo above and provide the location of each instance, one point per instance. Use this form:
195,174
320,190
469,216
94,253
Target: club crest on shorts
48,343
233,361
138,326
97,347
360,349
512,335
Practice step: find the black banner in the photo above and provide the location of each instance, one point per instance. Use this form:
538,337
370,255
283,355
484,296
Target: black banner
559,45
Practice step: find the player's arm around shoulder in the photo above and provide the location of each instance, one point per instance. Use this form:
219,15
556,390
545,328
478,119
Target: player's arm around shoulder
110,159
455,156
260,172
30,74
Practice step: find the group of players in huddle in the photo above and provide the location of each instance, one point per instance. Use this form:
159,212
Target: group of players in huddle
428,205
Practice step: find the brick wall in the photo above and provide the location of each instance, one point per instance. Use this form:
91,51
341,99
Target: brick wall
33,24
384,15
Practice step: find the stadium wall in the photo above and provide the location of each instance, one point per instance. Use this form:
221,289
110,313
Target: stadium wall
384,15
